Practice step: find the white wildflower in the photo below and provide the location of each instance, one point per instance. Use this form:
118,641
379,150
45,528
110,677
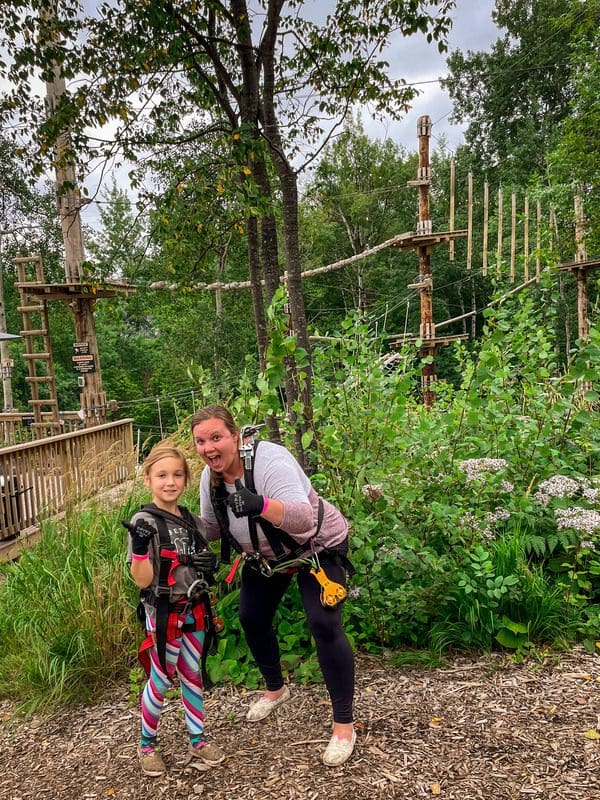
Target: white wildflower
387,550
469,520
587,545
354,591
507,486
476,467
591,495
498,514
580,519
558,486
373,491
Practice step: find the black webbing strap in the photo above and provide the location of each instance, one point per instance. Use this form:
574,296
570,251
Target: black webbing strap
162,598
163,591
218,497
278,539
186,520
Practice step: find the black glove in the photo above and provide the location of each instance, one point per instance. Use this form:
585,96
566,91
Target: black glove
245,503
205,562
140,533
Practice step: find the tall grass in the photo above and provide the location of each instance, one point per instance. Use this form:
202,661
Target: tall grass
67,625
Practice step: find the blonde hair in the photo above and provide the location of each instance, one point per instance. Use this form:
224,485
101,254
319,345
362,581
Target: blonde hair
165,450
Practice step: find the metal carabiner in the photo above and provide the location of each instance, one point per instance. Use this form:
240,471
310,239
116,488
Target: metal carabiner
197,587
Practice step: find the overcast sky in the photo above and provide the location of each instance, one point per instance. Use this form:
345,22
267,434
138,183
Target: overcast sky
415,61
473,29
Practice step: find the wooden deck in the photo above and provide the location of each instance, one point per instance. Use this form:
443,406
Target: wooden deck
42,478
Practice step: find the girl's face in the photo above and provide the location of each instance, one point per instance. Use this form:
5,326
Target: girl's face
218,448
166,480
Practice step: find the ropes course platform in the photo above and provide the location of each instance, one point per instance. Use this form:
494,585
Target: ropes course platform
76,289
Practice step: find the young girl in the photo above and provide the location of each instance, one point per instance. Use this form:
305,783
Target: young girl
172,565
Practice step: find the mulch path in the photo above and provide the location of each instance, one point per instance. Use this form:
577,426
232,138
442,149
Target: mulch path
478,728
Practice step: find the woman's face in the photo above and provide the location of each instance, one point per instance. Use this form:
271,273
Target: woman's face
218,447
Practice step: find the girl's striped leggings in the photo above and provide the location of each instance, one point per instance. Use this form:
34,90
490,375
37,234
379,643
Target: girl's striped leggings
183,655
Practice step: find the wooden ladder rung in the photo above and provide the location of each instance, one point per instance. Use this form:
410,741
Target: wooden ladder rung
26,259
30,309
38,332
33,356
47,402
39,379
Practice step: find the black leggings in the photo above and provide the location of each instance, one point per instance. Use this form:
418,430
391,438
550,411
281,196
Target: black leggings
259,599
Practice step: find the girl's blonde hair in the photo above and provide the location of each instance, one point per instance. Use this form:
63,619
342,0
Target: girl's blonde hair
165,450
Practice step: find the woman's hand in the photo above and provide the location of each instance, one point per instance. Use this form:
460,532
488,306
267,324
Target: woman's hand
245,503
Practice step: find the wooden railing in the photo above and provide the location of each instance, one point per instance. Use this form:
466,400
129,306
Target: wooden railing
15,427
40,478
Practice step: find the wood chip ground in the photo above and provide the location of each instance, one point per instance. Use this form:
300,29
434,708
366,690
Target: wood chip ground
483,728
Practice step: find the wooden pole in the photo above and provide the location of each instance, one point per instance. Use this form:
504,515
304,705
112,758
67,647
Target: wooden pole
427,327
526,239
452,207
4,354
500,223
513,235
92,398
583,323
580,253
538,241
469,220
486,213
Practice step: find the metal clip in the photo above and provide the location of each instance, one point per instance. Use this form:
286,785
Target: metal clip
197,587
246,447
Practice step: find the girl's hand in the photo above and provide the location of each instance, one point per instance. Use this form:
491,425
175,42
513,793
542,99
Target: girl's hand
140,533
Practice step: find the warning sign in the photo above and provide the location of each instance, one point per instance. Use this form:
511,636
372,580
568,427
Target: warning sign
83,363
81,348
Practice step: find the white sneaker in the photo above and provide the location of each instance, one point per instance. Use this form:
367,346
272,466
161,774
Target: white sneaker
339,750
263,707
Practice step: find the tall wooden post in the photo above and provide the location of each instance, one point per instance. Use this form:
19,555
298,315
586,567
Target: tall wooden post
4,354
424,226
92,397
583,323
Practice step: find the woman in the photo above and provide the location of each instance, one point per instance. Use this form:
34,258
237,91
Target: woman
281,517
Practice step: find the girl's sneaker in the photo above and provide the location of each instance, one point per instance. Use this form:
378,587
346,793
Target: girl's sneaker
207,752
151,761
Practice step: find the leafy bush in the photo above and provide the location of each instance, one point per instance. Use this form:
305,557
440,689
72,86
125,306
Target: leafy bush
474,524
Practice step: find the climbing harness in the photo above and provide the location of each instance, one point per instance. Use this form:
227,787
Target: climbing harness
289,555
199,601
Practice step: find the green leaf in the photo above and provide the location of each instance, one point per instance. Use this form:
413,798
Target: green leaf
307,438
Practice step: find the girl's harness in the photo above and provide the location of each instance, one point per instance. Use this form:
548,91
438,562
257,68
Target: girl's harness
198,600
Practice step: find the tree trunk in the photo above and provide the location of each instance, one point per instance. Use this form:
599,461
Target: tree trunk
257,296
289,192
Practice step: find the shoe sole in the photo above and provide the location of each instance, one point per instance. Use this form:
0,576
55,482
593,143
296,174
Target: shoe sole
195,754
209,763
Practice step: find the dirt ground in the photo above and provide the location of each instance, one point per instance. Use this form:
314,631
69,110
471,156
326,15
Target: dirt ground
484,728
